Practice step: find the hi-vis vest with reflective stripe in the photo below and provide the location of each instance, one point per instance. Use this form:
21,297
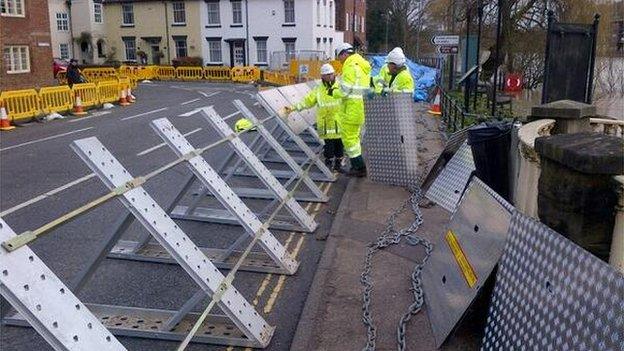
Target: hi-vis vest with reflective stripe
328,108
402,83
355,78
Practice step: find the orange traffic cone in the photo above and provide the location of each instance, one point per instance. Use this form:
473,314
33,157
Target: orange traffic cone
131,99
78,110
5,124
123,101
435,107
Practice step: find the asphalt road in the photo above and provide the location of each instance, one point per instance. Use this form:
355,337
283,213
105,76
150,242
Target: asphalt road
41,178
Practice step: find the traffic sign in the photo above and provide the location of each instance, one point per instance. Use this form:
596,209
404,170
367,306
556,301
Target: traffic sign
445,40
448,49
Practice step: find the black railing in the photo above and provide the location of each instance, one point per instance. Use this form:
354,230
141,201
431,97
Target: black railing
454,116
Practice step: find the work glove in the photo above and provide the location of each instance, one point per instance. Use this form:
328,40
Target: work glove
384,92
370,95
286,111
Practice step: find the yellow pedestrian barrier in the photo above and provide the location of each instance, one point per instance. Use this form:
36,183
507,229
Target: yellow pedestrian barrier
88,93
55,99
310,69
108,91
217,73
165,72
21,104
146,72
245,74
189,73
99,74
277,78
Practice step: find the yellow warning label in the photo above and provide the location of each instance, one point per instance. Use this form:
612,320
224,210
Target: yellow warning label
462,260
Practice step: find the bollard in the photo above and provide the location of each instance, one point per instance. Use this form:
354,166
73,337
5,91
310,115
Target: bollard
570,116
575,193
616,258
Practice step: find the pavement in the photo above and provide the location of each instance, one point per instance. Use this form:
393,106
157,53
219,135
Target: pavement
41,178
332,317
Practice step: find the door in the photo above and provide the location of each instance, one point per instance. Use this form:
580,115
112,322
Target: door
239,54
155,55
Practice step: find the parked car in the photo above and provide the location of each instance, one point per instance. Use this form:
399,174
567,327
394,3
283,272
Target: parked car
59,65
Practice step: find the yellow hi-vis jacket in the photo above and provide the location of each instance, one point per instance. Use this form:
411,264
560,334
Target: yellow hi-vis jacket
327,109
402,82
354,84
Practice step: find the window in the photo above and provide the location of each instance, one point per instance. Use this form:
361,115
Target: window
289,11
97,12
318,12
213,13
100,48
214,51
237,12
180,46
331,14
62,23
16,59
261,50
362,29
179,13
324,13
289,47
130,46
127,11
12,8
318,44
64,51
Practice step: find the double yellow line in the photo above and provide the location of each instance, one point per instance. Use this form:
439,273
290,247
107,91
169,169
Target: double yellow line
282,278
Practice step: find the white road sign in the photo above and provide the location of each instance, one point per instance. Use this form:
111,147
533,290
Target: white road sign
445,40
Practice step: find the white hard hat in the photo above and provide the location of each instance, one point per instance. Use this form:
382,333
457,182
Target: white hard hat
343,47
327,69
396,56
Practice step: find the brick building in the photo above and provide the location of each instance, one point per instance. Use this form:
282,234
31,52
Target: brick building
25,43
351,19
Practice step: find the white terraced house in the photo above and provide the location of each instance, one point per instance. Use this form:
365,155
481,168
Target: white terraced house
252,32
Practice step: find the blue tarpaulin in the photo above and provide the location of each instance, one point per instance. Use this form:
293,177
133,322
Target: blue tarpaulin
424,77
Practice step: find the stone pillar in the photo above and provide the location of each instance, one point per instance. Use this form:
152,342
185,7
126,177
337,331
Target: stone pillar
616,258
575,189
570,116
525,192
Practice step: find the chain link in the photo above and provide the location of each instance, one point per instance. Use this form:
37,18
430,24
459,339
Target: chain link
392,236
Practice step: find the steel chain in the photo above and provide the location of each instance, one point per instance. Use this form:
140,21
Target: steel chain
392,236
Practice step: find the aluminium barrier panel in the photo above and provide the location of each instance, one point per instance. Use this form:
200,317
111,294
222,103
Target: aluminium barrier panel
108,91
87,92
217,73
256,332
47,304
189,73
551,294
21,104
447,189
56,99
465,255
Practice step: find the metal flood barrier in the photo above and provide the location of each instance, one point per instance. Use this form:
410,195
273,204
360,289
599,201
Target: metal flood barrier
142,249
464,257
549,293
393,138
240,324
